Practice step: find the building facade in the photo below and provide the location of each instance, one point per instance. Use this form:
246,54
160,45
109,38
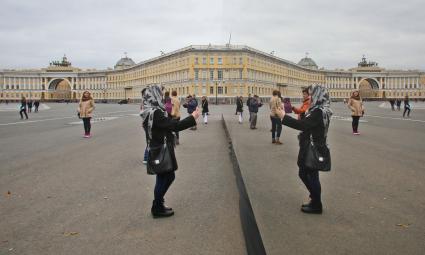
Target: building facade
218,72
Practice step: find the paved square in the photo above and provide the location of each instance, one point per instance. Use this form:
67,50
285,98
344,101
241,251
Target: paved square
63,194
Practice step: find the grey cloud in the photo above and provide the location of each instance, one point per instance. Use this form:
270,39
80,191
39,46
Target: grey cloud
95,33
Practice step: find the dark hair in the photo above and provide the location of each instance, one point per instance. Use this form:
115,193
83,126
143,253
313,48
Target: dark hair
275,92
305,90
167,94
174,93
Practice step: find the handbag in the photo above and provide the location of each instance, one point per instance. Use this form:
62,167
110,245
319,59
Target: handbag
316,160
159,159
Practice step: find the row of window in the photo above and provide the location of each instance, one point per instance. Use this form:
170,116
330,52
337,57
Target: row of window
217,74
219,60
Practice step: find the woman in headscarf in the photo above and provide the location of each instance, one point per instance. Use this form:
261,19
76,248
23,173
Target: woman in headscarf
315,125
357,110
159,125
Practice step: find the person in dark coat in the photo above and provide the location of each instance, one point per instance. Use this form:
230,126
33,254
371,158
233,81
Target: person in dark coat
159,125
315,125
205,110
398,103
29,103
247,104
36,105
239,109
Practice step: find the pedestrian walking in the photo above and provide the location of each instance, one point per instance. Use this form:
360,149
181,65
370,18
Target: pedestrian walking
406,107
146,154
23,108
314,128
254,104
398,103
175,112
29,103
392,103
239,109
305,106
275,108
36,105
205,110
357,110
159,127
85,110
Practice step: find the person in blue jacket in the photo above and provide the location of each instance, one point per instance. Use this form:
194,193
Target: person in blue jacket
191,105
254,104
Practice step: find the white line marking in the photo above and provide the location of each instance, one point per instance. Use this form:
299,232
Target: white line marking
33,121
62,118
405,119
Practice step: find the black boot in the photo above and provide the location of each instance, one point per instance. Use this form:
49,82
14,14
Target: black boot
166,207
158,210
313,208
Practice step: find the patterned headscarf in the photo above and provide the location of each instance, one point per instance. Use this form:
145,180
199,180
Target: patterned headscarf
151,101
320,100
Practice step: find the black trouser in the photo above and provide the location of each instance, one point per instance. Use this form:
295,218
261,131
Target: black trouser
24,110
355,123
163,182
87,125
311,181
276,127
406,109
36,108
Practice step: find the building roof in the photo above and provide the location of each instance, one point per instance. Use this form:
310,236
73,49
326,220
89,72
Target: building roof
308,62
124,63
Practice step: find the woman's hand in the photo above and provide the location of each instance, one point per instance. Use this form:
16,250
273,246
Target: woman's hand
196,113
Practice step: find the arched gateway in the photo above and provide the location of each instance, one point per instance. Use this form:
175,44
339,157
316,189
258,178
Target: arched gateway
369,88
59,89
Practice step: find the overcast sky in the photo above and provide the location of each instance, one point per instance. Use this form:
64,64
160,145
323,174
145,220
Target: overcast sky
96,33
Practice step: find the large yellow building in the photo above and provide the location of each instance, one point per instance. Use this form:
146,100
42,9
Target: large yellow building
222,72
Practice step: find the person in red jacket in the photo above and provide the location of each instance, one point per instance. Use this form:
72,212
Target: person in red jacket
306,104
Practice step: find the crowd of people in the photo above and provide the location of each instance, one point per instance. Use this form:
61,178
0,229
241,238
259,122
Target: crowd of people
26,107
397,103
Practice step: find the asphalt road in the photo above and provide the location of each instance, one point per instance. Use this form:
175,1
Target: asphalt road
63,194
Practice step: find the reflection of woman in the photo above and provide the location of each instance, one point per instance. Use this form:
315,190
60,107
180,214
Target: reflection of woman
356,105
159,127
315,125
85,108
